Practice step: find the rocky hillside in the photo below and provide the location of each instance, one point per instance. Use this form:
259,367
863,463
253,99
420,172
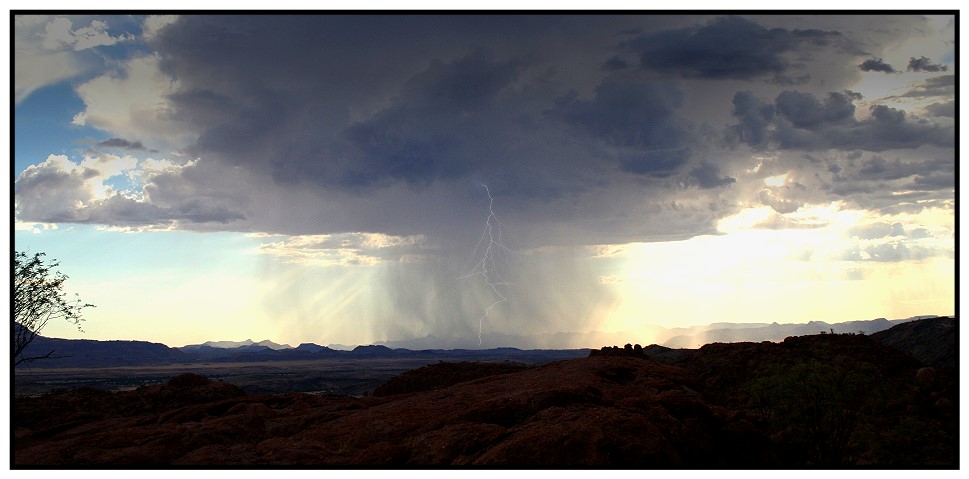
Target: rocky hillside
928,340
814,401
442,375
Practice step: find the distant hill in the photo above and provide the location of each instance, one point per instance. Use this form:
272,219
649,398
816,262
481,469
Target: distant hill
313,348
236,344
88,353
376,350
717,333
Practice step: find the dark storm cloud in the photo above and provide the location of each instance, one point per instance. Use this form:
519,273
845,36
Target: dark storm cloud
263,99
422,137
126,212
615,63
935,180
877,65
947,109
891,128
790,80
707,175
626,113
640,119
879,168
323,124
466,85
729,47
756,117
893,186
657,164
805,122
186,195
923,64
269,96
804,110
405,105
123,144
391,124
940,86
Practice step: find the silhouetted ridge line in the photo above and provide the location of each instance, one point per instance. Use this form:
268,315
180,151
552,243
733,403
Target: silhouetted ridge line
818,401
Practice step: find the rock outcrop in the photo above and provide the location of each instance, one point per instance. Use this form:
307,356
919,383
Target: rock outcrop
932,341
444,374
822,401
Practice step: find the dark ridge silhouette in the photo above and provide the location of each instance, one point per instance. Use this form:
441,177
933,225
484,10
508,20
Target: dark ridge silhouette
933,341
661,354
104,354
376,350
313,348
819,401
666,355
89,353
626,351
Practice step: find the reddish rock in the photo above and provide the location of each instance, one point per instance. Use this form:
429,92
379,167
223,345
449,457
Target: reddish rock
927,379
621,410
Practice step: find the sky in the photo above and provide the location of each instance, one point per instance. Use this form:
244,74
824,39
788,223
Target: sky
341,179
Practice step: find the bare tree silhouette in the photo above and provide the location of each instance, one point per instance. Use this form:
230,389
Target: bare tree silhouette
38,297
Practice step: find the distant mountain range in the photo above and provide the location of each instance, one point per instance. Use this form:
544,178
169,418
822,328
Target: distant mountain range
236,344
732,333
86,353
691,337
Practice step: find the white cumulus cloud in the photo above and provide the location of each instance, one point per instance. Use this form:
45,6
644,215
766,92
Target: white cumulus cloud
48,50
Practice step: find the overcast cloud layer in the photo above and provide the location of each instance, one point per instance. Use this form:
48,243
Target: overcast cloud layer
387,125
377,132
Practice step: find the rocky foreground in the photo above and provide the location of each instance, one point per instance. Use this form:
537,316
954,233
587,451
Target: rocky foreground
825,400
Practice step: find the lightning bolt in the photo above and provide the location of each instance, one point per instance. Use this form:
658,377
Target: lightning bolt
487,267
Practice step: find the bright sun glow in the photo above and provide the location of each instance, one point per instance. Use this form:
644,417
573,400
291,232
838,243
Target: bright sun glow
753,273
778,180
748,218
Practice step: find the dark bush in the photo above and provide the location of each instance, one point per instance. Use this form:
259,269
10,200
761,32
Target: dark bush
813,407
